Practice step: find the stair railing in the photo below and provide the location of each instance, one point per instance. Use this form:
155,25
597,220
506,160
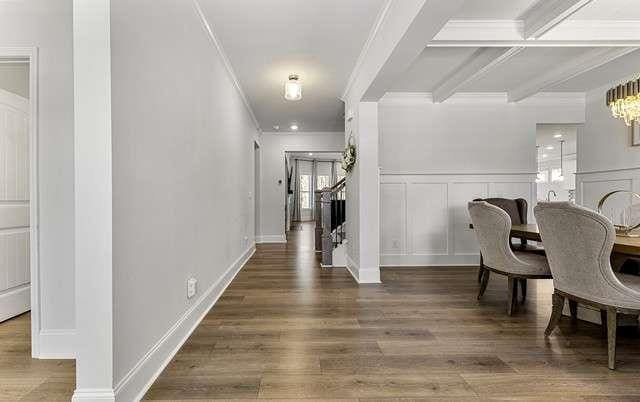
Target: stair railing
330,216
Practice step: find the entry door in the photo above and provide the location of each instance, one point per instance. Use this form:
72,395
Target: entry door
14,206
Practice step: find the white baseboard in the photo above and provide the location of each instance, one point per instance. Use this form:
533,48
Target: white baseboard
57,344
271,239
140,378
362,275
93,395
15,301
426,260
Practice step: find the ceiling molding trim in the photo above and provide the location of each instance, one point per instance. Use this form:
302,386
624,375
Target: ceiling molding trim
543,98
545,15
225,60
565,71
382,16
579,31
479,64
535,43
481,30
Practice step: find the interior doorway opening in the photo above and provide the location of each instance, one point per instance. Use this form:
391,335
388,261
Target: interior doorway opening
307,172
556,155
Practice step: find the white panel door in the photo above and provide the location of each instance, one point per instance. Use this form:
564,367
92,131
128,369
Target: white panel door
14,206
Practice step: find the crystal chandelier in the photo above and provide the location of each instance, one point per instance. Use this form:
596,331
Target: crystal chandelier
624,101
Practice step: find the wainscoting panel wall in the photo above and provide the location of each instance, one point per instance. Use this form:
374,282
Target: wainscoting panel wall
424,218
592,186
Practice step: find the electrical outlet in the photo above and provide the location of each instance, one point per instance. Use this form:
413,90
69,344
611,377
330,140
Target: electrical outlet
396,244
192,287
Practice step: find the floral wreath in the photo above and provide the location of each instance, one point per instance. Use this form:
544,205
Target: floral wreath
349,155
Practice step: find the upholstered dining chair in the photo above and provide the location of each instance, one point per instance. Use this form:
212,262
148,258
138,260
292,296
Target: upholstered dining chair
492,226
579,242
518,211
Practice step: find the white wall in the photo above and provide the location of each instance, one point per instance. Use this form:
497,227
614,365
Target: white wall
182,178
47,25
14,77
606,159
273,148
436,157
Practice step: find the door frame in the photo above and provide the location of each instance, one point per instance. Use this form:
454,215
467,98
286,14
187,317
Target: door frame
30,55
257,192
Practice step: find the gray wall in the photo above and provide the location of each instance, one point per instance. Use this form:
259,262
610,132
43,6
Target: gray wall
182,170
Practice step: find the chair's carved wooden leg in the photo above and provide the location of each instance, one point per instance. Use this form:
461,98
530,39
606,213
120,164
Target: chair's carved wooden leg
556,313
481,269
573,308
484,282
612,327
523,288
512,294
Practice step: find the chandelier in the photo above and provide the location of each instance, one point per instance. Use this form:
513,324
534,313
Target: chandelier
624,101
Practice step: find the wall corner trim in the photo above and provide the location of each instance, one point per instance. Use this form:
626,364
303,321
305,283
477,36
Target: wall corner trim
362,275
140,378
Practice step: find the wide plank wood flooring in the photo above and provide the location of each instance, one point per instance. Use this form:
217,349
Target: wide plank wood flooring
287,329
25,379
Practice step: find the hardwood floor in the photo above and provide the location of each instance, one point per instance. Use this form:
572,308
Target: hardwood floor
287,329
25,379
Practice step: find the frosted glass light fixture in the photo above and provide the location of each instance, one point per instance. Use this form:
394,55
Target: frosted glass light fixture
293,88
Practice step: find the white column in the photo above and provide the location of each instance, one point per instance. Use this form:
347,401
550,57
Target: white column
363,195
93,194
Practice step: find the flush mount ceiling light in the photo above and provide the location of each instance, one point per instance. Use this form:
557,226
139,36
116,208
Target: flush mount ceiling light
557,136
624,101
293,88
550,147
276,128
310,154
294,127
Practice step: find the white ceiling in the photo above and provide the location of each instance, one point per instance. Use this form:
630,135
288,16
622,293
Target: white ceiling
320,40
436,65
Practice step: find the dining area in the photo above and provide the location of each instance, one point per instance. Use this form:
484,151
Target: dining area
591,262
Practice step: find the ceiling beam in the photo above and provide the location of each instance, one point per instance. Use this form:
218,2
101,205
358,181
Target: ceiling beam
480,63
546,14
535,43
570,31
396,42
565,71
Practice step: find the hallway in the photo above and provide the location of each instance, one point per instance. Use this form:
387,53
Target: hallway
286,329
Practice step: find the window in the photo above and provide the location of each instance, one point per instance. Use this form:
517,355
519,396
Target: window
322,182
305,190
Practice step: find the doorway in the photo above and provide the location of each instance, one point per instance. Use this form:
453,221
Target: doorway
556,148
19,270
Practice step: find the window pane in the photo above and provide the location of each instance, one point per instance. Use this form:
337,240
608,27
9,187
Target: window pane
305,182
304,200
323,181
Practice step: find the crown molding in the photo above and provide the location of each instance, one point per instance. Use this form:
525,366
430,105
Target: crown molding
544,98
225,61
566,33
382,16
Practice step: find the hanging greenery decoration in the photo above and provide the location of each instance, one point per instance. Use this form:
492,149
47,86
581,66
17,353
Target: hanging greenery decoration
349,154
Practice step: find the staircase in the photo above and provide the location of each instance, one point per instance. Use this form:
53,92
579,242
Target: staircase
330,215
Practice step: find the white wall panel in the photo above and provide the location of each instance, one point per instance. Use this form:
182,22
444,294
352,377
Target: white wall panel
429,224
424,218
393,219
464,240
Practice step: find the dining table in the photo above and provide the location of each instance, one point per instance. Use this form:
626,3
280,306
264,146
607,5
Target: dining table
629,246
